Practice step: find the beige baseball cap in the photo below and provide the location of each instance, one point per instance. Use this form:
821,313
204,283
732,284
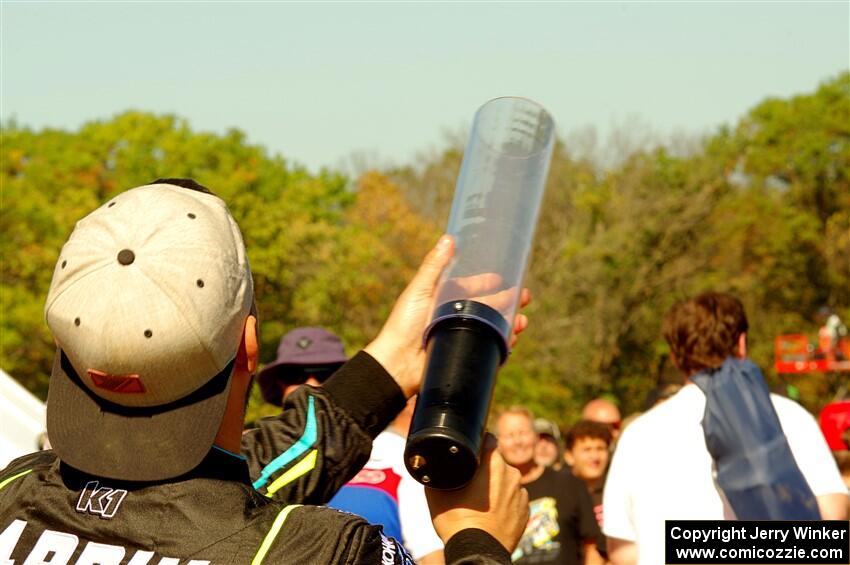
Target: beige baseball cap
147,305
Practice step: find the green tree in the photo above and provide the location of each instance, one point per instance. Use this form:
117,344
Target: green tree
52,178
761,209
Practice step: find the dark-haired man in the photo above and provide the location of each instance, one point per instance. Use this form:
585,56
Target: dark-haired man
662,469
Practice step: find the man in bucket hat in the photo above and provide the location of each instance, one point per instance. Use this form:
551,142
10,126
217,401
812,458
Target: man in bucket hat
304,356
151,307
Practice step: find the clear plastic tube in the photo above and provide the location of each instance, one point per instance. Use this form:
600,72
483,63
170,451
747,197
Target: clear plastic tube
493,218
495,209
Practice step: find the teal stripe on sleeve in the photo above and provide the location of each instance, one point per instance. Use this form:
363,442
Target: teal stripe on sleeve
300,447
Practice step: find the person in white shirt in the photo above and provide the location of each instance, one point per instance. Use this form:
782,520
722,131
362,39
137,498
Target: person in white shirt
662,469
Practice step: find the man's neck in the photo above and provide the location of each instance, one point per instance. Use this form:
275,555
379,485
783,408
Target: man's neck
229,436
229,441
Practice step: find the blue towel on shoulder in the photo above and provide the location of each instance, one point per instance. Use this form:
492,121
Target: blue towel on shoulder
755,467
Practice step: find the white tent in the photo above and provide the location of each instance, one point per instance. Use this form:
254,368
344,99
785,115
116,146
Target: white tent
22,418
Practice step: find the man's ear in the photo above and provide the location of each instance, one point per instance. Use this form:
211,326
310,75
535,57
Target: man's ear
741,347
249,349
568,457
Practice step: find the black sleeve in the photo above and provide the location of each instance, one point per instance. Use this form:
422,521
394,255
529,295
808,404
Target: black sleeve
467,547
474,546
12,477
323,436
25,463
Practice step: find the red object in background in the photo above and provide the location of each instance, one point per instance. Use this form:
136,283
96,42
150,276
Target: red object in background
793,353
834,420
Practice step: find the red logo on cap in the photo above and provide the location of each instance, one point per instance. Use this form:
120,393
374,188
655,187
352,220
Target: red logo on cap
124,384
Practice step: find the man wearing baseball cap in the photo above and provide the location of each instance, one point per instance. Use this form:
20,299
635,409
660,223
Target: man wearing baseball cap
151,308
304,356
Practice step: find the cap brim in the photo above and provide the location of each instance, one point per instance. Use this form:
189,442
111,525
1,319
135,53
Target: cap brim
133,444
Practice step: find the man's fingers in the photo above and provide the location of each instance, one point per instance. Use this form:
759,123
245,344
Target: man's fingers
524,297
432,266
488,451
482,288
502,299
498,468
477,284
496,459
498,301
490,457
523,503
490,442
520,323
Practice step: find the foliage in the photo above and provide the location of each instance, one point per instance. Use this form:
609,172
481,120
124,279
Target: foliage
761,210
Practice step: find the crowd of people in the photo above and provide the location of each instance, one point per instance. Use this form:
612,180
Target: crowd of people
155,324
668,462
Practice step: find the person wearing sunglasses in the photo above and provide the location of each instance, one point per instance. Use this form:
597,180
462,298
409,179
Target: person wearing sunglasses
304,356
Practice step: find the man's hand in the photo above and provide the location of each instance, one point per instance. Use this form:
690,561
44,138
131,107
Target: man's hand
398,346
494,501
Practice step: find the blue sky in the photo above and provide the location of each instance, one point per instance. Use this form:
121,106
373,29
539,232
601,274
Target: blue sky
318,82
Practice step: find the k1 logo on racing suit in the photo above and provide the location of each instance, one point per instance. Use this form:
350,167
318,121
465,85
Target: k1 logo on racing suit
101,501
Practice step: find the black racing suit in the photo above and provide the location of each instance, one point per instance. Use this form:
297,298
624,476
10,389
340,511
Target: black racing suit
323,436
51,513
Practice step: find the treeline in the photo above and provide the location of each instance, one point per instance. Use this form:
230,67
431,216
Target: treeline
761,210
